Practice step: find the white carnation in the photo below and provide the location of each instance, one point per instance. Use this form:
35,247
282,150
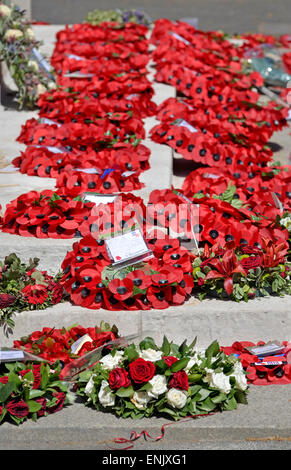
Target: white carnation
140,399
109,362
106,398
151,355
177,398
218,380
159,386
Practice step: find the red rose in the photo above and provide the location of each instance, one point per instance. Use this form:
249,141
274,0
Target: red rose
118,378
141,371
59,403
180,380
169,360
251,262
17,408
42,402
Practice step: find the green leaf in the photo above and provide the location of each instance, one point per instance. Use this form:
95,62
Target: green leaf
147,343
6,390
125,392
166,347
33,406
212,350
181,364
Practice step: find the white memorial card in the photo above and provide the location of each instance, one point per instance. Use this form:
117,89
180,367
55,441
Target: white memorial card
129,246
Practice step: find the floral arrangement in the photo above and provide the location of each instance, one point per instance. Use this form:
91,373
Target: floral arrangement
122,16
91,281
24,287
19,49
242,272
172,380
30,391
56,344
258,371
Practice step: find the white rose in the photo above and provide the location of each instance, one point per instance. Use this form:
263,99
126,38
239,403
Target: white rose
177,398
13,34
32,64
240,377
218,380
286,221
106,398
159,386
151,355
90,385
109,362
29,33
140,399
4,11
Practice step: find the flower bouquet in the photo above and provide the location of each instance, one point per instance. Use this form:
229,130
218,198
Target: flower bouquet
31,390
173,380
242,272
24,287
19,49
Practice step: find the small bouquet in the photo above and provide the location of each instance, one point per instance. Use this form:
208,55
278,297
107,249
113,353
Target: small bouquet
19,49
24,287
31,390
243,272
177,381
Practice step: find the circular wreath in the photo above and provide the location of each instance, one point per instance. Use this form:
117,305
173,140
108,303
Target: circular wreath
92,282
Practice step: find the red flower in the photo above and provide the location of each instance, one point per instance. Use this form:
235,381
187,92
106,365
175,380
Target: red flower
225,269
169,360
141,371
121,288
179,380
19,408
60,400
118,378
35,294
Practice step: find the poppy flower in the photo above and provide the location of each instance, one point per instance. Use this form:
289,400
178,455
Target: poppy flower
121,288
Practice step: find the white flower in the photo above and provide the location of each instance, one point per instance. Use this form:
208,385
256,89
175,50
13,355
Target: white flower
193,360
13,34
4,11
177,398
106,398
159,386
40,89
32,64
218,380
140,399
51,85
109,362
240,377
151,355
29,33
286,222
90,385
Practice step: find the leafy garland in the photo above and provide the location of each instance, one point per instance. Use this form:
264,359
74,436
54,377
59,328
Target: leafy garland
31,390
17,48
122,16
24,287
173,380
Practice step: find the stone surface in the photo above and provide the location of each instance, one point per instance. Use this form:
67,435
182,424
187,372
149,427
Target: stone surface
260,425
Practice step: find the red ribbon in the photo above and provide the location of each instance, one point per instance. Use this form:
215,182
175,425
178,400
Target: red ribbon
134,435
